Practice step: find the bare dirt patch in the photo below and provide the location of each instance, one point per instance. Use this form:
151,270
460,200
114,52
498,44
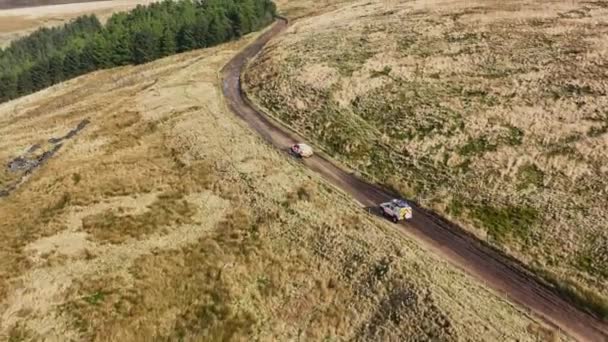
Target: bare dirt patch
20,168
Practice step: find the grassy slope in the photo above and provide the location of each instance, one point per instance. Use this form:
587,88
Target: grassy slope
167,218
491,112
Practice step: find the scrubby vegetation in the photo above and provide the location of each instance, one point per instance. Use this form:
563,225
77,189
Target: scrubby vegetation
51,55
489,112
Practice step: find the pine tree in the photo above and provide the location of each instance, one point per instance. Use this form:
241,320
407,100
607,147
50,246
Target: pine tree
85,60
168,45
56,68
201,32
185,39
8,87
40,75
24,82
71,63
243,17
96,54
219,28
145,46
120,48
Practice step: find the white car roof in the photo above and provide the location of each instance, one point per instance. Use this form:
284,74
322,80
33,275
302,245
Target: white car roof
304,147
397,203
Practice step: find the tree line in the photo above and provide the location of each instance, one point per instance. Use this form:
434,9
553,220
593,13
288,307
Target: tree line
52,55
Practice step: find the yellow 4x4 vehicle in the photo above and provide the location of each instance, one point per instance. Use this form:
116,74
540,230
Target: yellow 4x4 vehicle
396,210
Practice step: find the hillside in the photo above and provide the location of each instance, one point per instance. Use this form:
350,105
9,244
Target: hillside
492,113
17,20
162,216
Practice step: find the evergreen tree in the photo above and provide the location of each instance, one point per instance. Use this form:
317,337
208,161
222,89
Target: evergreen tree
168,46
24,83
121,49
56,69
71,63
8,87
185,39
219,28
96,54
145,47
243,17
40,75
201,32
85,60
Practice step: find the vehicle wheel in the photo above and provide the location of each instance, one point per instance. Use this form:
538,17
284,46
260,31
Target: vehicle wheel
394,218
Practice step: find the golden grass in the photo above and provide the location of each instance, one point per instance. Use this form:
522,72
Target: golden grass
491,112
16,23
166,218
306,8
169,209
19,22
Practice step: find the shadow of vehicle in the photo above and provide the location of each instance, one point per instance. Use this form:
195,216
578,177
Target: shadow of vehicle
291,153
375,211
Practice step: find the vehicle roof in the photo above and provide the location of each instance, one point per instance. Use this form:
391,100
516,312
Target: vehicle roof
400,203
304,147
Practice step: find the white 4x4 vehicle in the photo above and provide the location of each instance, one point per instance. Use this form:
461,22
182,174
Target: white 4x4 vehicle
396,210
301,150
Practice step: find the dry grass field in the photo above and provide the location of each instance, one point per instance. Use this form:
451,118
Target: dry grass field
493,113
298,9
19,22
166,219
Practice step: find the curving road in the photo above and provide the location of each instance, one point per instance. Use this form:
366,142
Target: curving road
501,273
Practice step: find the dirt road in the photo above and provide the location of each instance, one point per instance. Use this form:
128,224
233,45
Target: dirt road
498,271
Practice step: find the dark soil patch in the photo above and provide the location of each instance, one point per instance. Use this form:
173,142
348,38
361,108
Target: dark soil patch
28,162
